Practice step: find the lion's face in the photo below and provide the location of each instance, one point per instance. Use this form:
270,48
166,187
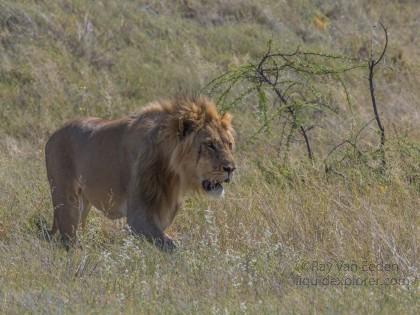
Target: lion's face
214,162
203,155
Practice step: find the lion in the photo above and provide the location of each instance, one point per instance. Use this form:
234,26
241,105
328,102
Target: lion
140,167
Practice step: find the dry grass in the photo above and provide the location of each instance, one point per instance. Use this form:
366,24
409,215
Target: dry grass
279,221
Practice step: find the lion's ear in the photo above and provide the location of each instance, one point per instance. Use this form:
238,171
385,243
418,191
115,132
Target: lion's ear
186,127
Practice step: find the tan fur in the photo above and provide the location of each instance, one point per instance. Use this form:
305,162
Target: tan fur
139,166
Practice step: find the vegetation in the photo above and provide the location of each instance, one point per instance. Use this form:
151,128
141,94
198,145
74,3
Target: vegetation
285,217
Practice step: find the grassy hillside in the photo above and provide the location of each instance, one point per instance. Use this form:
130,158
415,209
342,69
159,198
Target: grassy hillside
283,221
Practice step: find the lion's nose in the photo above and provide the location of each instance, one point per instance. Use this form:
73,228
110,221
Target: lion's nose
229,170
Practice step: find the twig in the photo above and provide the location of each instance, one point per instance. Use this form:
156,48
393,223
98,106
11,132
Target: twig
372,64
308,144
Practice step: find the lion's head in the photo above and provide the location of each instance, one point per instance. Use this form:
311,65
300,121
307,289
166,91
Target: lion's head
203,156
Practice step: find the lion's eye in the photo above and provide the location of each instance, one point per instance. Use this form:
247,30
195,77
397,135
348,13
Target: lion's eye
211,146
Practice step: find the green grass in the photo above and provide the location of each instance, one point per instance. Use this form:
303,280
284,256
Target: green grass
242,254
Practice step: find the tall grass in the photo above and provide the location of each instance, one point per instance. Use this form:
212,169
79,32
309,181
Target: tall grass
255,250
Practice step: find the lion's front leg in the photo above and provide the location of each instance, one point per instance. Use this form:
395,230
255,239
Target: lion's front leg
166,243
143,224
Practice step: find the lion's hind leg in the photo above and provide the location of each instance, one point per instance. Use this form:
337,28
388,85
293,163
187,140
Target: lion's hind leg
65,189
66,214
65,199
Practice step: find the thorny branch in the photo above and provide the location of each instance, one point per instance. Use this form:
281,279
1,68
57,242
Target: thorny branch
273,84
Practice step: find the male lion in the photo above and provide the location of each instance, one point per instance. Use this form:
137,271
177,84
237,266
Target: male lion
139,166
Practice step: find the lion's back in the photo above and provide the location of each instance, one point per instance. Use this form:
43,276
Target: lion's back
65,140
83,145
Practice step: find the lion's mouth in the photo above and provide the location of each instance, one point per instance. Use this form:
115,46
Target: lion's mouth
212,188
